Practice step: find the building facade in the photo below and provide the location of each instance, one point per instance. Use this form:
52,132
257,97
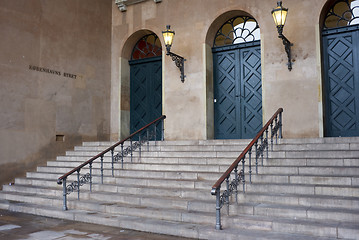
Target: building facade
236,72
97,70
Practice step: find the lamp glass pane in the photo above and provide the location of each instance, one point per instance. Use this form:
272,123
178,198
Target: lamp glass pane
279,16
168,37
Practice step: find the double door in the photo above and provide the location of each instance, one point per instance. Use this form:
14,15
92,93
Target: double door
237,91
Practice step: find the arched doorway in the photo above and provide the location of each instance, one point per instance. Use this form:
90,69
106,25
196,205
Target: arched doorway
340,38
237,81
145,82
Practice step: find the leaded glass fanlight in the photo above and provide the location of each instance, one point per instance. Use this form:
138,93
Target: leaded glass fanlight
343,13
237,30
146,47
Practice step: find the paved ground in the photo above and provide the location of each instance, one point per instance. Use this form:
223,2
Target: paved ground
30,227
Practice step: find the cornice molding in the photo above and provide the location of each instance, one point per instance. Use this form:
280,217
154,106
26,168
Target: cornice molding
122,4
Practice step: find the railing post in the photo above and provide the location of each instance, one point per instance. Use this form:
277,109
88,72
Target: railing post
243,176
90,165
250,164
78,184
112,151
266,140
276,133
271,135
262,149
256,147
227,197
139,147
280,125
218,209
148,140
155,134
163,130
101,169
131,149
236,180
122,155
64,194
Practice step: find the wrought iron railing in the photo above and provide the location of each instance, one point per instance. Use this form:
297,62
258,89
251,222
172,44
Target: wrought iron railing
151,131
260,145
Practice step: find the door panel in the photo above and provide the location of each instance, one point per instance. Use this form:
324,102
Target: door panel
341,82
237,91
145,92
251,88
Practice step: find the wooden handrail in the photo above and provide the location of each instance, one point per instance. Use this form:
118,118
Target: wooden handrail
227,173
59,180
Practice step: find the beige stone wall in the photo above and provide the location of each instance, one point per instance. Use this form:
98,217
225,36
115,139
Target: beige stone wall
189,105
69,36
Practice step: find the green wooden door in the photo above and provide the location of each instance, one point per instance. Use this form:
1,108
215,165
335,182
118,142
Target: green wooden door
237,91
341,81
145,92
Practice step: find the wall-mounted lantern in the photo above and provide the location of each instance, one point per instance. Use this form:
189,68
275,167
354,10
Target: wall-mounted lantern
280,15
179,61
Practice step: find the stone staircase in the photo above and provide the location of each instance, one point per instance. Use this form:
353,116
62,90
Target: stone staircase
307,189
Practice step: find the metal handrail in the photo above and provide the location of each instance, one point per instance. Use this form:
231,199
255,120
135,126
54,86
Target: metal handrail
275,124
75,186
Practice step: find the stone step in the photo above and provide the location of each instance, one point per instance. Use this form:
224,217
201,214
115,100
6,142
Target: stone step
54,174
311,162
73,161
307,189
121,221
306,179
325,140
180,142
233,153
309,227
299,199
311,170
298,212
242,222
209,177
225,147
250,196
170,148
201,193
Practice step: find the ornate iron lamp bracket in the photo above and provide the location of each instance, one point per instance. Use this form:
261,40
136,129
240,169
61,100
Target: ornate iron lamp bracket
179,61
287,47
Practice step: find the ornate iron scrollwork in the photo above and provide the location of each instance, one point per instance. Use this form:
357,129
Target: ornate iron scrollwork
262,147
134,146
74,186
179,62
232,187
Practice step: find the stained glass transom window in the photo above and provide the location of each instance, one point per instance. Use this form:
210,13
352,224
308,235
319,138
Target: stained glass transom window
237,30
146,47
343,13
